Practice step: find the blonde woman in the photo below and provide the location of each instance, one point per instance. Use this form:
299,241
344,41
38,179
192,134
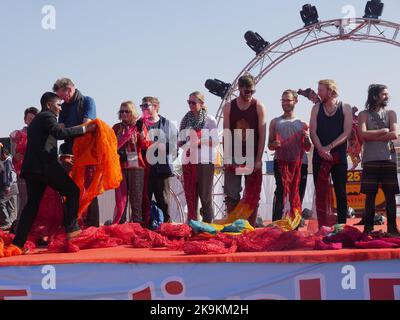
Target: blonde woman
131,140
199,131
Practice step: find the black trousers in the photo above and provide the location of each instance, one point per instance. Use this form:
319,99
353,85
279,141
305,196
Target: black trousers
54,176
339,179
158,185
369,213
277,210
92,218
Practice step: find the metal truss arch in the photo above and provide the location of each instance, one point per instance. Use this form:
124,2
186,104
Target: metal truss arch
358,29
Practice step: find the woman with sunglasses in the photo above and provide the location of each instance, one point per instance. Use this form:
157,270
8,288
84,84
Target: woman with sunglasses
198,137
131,140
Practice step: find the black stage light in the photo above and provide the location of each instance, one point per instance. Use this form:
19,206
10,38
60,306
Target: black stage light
373,9
255,41
217,87
309,15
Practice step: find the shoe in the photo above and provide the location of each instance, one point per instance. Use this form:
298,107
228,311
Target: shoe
109,222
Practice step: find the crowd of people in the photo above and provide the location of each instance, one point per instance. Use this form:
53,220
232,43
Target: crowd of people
37,189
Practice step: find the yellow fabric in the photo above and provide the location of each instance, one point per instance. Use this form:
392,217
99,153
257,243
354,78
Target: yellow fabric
288,224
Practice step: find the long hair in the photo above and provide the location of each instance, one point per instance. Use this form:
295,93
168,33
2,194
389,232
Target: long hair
373,93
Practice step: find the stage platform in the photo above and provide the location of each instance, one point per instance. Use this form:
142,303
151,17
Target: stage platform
130,273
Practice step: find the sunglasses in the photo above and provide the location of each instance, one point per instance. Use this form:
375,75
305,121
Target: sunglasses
247,91
124,111
145,106
191,103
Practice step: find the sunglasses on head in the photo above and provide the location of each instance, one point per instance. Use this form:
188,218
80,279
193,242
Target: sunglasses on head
190,102
124,111
247,91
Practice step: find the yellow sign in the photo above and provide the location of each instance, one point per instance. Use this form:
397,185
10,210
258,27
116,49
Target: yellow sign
355,199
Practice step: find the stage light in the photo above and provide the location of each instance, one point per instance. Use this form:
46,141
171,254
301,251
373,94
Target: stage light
255,41
217,87
373,9
309,15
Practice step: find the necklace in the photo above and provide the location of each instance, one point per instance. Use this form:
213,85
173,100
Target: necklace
330,113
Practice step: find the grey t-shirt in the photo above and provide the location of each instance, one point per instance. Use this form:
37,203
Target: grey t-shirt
377,150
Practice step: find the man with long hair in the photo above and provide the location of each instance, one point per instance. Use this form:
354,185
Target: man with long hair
378,129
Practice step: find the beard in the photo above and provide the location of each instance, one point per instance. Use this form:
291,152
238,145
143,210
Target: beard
384,103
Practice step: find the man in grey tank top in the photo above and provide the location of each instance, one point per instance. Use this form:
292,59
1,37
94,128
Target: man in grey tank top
378,129
288,137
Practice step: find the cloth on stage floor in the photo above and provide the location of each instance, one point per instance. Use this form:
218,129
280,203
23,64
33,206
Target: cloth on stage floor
351,237
212,246
347,235
376,244
175,231
6,247
123,231
237,227
275,239
321,245
90,238
98,149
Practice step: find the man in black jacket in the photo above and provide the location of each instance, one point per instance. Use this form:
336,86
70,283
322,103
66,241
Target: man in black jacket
41,168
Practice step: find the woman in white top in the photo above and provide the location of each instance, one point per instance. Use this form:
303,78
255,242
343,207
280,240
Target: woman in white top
198,137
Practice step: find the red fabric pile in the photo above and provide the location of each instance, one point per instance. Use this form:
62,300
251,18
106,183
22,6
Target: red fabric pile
348,237
124,231
211,246
6,240
351,237
90,238
175,231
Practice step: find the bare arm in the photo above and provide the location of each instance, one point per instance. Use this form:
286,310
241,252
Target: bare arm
262,131
271,137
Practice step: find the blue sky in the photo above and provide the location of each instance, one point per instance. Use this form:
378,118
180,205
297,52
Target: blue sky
124,50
